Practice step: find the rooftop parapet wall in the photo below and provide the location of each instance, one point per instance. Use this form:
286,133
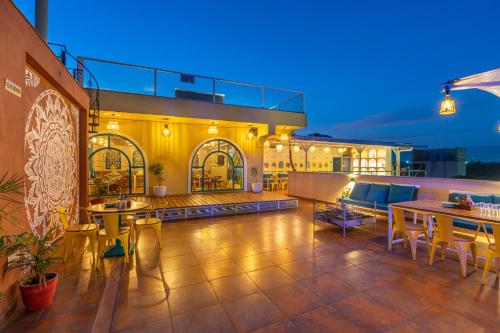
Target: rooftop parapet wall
329,186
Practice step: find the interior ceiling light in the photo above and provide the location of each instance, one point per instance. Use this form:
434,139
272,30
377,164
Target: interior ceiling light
341,150
93,140
312,149
279,147
326,150
213,130
284,137
112,125
296,149
267,144
447,104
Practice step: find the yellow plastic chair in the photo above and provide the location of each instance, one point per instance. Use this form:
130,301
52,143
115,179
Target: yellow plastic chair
71,231
410,231
151,220
493,252
445,236
111,232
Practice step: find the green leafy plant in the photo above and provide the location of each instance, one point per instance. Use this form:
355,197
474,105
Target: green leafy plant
31,254
11,186
254,172
157,169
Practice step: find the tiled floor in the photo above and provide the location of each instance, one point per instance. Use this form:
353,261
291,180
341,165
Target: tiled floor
272,273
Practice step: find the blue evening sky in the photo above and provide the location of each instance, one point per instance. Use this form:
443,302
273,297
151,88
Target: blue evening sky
369,69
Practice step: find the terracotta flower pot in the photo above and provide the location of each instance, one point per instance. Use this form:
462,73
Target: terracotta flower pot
39,296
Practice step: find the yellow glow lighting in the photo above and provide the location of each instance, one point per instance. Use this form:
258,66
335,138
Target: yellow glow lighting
213,130
112,126
341,150
93,140
279,147
312,149
326,150
447,105
284,137
296,149
166,131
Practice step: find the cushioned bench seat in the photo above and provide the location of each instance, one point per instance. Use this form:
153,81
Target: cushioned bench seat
486,198
379,196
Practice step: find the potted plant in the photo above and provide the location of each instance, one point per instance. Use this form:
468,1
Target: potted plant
157,169
32,255
256,187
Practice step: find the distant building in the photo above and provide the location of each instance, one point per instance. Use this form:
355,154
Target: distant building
440,163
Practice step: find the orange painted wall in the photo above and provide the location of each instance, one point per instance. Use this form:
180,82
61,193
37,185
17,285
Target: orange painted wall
21,47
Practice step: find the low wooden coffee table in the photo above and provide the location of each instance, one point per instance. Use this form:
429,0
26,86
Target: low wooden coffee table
343,216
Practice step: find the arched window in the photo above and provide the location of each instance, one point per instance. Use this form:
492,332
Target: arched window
217,165
116,166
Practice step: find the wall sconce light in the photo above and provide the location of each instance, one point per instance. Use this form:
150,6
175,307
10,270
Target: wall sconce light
213,130
447,104
312,149
166,131
252,132
326,150
296,149
279,147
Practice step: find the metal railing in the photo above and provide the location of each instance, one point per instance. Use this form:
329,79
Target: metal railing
123,77
79,71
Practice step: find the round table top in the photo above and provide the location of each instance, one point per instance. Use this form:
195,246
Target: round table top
134,206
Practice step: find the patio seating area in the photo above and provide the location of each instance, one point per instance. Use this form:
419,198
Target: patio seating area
271,272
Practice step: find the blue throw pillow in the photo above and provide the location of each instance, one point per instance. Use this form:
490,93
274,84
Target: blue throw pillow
400,193
360,191
378,193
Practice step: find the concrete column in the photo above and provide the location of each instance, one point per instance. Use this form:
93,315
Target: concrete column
42,17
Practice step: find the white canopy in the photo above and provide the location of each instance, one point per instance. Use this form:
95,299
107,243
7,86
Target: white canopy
488,81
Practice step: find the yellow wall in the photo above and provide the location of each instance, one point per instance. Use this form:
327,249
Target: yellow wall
175,151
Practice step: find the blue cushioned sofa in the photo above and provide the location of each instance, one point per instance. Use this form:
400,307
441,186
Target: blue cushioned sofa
454,196
378,196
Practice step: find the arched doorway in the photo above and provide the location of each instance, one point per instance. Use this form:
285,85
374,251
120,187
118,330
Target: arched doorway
116,166
217,165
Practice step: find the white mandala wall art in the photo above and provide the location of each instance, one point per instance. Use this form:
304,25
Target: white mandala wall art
31,79
52,160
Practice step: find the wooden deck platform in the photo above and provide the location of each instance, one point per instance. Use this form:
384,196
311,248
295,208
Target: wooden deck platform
185,206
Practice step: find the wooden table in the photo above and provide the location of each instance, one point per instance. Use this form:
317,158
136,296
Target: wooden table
100,209
429,208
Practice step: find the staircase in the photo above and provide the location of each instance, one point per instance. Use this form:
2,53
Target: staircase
85,79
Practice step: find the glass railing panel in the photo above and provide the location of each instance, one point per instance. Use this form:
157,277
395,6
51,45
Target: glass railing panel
121,78
239,94
183,86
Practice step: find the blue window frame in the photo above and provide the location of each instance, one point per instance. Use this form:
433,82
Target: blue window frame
116,166
217,165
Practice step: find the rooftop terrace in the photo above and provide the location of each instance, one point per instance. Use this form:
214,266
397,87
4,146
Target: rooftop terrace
271,272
